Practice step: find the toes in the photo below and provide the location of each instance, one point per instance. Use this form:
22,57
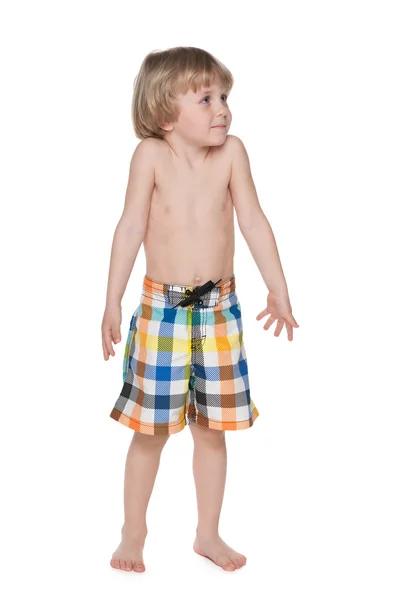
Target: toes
228,565
124,565
237,561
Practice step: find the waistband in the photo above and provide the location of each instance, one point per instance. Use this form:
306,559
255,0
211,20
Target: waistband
175,293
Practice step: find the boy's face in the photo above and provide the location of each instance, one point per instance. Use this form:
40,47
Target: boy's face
201,115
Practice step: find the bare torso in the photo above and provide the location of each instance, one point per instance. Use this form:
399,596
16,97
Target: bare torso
190,232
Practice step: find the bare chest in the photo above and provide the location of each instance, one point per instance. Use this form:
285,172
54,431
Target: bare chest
183,193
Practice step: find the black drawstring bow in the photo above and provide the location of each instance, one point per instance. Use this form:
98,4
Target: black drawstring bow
196,293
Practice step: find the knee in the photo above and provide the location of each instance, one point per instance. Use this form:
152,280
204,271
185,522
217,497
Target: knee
150,442
210,437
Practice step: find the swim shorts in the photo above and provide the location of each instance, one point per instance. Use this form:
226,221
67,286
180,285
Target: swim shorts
185,361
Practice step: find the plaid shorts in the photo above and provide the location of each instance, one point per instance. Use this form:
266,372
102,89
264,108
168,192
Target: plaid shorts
185,364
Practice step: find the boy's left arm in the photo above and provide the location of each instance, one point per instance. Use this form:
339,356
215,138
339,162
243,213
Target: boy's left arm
260,239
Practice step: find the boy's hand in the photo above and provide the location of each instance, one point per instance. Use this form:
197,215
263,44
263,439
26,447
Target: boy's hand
110,329
280,309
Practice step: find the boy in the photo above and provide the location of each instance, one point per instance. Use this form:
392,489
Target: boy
185,362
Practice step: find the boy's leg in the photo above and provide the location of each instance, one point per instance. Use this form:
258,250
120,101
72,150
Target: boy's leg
141,468
209,470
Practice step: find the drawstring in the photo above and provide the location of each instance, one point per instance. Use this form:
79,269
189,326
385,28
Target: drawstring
195,294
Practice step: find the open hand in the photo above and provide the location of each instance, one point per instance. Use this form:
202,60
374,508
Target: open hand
279,308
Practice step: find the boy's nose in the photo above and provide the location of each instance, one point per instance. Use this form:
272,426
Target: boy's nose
222,111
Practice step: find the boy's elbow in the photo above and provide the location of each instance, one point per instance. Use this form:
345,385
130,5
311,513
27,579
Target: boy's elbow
251,222
132,226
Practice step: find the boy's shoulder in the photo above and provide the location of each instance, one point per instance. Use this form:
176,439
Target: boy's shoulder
235,145
149,146
233,139
146,154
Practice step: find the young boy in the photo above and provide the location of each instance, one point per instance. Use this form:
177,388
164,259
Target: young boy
185,362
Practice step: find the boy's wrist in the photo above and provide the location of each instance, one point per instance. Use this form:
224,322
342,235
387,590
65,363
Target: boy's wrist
282,291
113,302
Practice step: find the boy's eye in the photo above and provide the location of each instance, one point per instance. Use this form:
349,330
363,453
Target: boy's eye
223,95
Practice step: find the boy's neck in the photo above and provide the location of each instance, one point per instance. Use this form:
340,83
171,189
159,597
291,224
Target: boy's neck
188,153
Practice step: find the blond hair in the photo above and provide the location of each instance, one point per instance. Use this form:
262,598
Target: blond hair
166,73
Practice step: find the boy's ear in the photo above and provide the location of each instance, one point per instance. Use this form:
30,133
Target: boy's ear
167,126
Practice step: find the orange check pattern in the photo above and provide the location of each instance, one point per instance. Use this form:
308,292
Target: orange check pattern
185,364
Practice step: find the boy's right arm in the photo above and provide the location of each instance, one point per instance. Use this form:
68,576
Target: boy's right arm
128,237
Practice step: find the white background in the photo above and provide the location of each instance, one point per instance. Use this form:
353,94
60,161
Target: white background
312,495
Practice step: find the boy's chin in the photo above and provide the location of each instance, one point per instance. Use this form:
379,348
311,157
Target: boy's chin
216,141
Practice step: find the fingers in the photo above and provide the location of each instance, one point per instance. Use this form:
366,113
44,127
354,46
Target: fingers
290,323
107,338
110,330
109,345
116,335
108,350
263,313
270,321
279,326
105,351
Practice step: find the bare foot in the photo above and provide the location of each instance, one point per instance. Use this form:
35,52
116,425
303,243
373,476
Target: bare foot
129,554
220,553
